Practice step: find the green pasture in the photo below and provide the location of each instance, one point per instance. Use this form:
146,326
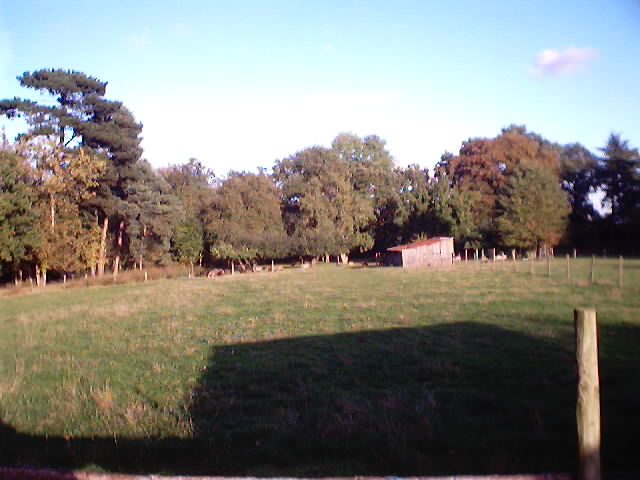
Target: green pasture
332,371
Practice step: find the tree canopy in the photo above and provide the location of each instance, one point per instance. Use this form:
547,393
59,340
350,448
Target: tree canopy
76,196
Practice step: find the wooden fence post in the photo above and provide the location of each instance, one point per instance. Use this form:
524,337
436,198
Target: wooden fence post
620,271
593,272
568,267
588,394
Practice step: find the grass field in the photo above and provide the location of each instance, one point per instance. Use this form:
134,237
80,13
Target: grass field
334,371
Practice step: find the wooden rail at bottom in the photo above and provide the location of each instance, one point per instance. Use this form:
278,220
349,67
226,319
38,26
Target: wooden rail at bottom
15,473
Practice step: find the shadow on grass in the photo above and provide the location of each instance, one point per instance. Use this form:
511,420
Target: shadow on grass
454,398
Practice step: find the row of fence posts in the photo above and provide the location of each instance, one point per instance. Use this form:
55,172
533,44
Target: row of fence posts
592,270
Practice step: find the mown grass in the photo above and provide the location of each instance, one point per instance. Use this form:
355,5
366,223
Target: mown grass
334,371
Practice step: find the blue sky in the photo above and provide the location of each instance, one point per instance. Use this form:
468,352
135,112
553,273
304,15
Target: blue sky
239,84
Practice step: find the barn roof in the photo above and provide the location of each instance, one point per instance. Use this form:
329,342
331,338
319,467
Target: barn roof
421,243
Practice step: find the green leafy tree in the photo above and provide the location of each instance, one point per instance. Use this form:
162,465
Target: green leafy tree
187,244
375,176
579,175
80,116
621,180
62,180
153,213
245,219
453,209
533,209
194,184
324,214
484,166
19,235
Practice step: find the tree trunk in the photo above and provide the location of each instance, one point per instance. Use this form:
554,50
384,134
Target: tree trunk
103,247
116,262
52,202
345,258
116,266
141,262
232,268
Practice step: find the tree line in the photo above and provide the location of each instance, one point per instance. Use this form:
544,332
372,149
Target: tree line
75,195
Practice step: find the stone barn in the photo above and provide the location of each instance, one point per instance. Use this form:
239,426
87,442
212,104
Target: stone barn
434,252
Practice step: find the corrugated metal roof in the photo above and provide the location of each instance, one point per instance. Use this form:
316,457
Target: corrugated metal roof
421,243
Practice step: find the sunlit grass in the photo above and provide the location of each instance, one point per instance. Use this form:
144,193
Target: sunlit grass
125,362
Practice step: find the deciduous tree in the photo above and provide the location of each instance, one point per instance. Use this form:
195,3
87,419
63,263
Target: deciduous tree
324,214
532,209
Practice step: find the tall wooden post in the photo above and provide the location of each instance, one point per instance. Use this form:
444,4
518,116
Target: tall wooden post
575,253
588,399
568,267
620,271
465,255
593,271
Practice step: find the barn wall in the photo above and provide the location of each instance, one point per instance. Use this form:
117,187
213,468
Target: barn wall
434,255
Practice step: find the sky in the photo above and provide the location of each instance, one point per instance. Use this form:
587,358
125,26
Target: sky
240,84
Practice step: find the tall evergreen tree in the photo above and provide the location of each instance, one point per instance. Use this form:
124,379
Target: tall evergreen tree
621,179
82,117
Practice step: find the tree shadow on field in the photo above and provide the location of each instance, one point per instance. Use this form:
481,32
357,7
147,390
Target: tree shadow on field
453,398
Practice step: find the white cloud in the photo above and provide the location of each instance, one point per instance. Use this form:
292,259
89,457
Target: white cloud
552,62
139,41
